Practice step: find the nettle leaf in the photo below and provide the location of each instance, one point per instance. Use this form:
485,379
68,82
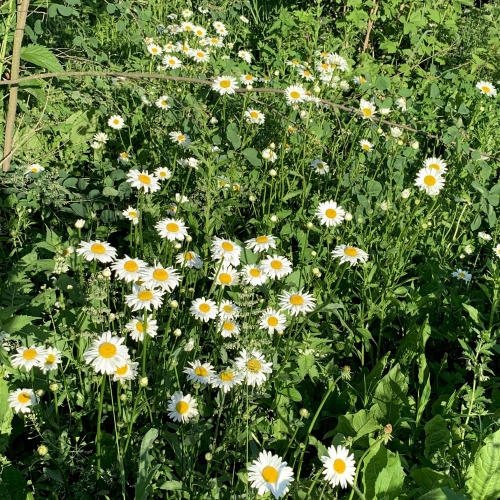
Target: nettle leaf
437,436
41,56
483,476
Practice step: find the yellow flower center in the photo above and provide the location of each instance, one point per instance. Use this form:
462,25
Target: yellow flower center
122,370
50,359
34,170
227,308
116,121
254,366
228,326
429,180
362,80
171,61
272,321
97,248
307,73
228,247
485,89
107,350
294,94
365,146
145,295
145,179
188,28
163,103
29,354
160,275
331,213
23,397
339,466
181,138
182,407
254,272
324,66
276,264
320,165
199,33
132,214
225,84
262,239
462,275
254,114
295,63
154,50
351,251
296,300
200,54
225,278
201,372
131,266
204,307
367,111
189,256
226,376
270,474
435,166
172,227
140,326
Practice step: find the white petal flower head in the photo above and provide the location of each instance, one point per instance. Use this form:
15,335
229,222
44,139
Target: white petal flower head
180,138
339,465
199,372
270,473
229,328
171,62
261,243
144,298
295,94
131,214
272,321
203,309
226,250
164,278
28,357
52,360
330,214
226,276
136,328
228,310
254,116
254,366
401,103
320,167
35,168
163,173
225,85
172,229
199,55
436,163
297,302
430,181
226,379
97,250
484,236
366,145
245,55
107,353
348,253
367,108
154,50
182,408
143,180
22,399
276,267
128,269
496,251
253,275
190,260
116,122
126,372
487,88
306,75
162,102
462,275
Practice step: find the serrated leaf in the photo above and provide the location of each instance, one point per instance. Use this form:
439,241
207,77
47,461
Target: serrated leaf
483,477
17,323
437,435
41,56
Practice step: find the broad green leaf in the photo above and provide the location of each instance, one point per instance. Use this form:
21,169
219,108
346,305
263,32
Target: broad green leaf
428,479
41,56
251,155
357,424
438,436
233,136
442,493
143,485
17,323
483,477
291,393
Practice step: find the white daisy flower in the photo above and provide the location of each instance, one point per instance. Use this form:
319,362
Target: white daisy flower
214,42
124,157
189,259
187,13
340,467
272,321
128,268
154,49
306,75
462,275
116,122
244,19
101,137
484,236
384,111
269,155
225,85
261,243
225,250
226,276
182,408
228,328
295,94
270,473
330,214
254,116
358,80
35,168
163,173
253,275
135,327
172,229
126,372
172,62
396,132
131,214
296,302
437,164
294,64
367,108
28,357
166,279
187,26
199,372
320,167
338,62
199,55
180,138
276,267
144,299
348,253
141,179
162,102
228,310
226,379
401,103
248,79
487,88
183,48
254,366
22,399
366,145
245,55
98,250
200,31
496,251
203,309
430,181
168,48
106,353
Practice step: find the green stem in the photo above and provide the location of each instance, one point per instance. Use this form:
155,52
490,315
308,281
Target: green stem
98,437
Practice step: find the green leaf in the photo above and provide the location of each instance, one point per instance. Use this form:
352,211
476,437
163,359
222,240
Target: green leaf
17,323
357,424
41,56
13,485
442,494
143,485
474,314
251,155
437,437
291,393
483,477
428,479
233,136
434,91
382,83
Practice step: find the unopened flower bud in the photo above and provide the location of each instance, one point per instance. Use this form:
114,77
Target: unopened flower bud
54,387
274,218
42,450
273,173
143,382
208,457
177,332
40,393
313,254
309,225
177,246
304,412
123,397
106,272
69,287
80,223
189,239
252,198
174,304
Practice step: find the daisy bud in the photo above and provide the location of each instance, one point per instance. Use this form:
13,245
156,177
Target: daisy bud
360,220
309,225
316,272
177,246
273,173
123,397
261,301
252,198
462,256
304,412
69,287
346,373
189,346
405,194
196,385
143,382
348,216
468,250
106,272
40,393
400,142
54,387
417,202
482,108
191,290
265,154
112,317
380,131
249,87
189,239
313,254
214,120
274,218
177,332
208,457
174,304
302,446
272,145
80,223
415,145
174,363
424,226
42,450
384,206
